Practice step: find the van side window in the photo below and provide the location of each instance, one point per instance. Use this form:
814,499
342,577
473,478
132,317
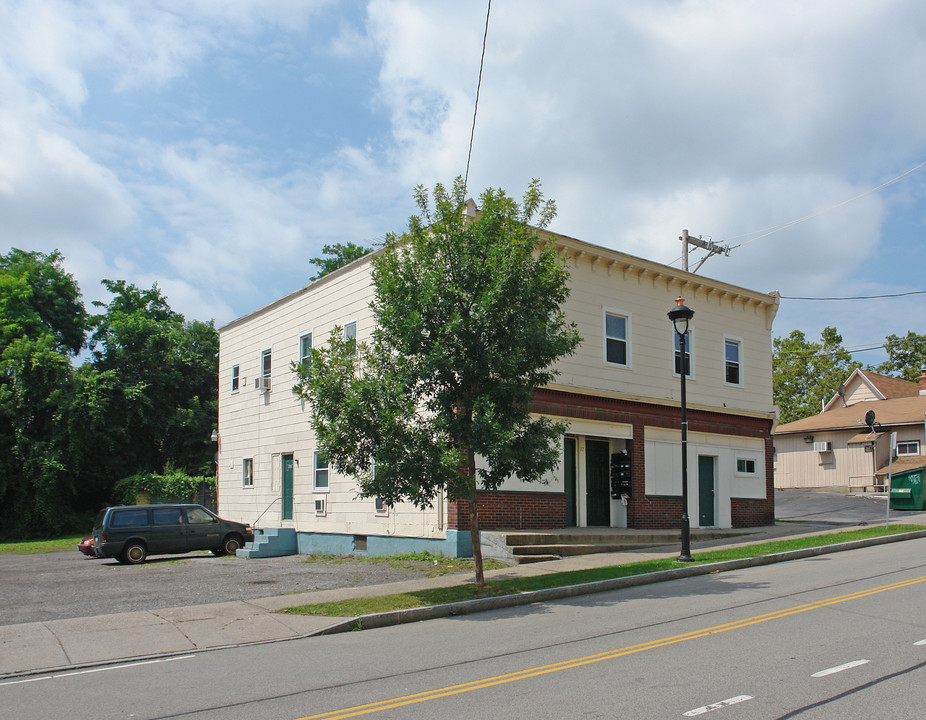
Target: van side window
129,518
166,516
195,516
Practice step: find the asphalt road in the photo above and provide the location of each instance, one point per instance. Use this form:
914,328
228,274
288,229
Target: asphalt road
837,636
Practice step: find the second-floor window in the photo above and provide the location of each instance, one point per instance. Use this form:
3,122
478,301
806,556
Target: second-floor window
247,472
733,362
265,363
350,331
236,378
616,339
305,347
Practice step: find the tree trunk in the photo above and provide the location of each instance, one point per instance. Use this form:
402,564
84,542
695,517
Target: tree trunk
474,518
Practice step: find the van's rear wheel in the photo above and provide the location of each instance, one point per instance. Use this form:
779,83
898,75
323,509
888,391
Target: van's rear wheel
134,553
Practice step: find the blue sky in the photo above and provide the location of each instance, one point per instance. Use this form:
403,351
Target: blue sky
215,147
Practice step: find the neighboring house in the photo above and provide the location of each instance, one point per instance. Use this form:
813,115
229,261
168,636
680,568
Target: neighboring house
837,449
619,391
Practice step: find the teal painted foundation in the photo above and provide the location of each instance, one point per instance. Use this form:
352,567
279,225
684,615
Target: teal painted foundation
457,544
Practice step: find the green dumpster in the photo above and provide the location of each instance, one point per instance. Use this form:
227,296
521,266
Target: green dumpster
907,489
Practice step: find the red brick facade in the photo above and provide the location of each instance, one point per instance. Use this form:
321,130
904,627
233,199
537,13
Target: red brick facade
544,510
512,511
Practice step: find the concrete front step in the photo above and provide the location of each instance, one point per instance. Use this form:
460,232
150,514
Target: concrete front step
270,542
532,546
564,550
624,537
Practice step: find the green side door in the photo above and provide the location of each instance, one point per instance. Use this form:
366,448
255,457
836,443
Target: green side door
597,483
706,491
288,487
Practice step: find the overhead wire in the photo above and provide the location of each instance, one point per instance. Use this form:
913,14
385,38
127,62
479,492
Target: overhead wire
856,297
472,134
776,228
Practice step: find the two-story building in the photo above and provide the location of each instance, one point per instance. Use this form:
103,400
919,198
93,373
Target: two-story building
619,392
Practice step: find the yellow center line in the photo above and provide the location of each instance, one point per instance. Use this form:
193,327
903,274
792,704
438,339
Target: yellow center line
483,683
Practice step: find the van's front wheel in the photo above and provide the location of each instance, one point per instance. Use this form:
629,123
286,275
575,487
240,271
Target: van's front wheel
230,546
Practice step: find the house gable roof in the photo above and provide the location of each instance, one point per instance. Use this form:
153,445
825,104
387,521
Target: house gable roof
872,386
890,412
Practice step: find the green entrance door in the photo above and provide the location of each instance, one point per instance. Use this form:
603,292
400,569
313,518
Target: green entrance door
706,491
288,487
597,483
569,480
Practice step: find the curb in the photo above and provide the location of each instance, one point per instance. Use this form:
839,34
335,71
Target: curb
467,607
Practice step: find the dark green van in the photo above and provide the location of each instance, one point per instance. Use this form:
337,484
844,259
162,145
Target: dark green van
130,533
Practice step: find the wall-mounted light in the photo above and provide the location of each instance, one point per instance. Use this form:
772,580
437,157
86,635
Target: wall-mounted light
808,439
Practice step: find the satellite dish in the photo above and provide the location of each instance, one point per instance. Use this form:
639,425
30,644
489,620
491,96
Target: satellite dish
870,420
841,391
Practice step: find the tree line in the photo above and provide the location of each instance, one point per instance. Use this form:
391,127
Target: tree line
806,374
89,398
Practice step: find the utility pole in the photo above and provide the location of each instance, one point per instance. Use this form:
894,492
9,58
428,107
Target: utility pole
711,247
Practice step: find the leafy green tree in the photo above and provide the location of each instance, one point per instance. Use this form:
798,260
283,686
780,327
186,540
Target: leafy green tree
38,297
160,391
906,356
339,255
468,324
806,374
42,328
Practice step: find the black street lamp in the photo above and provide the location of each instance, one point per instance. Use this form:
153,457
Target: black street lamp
680,316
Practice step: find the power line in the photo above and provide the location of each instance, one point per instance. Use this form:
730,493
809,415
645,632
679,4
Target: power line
856,297
472,134
776,228
828,353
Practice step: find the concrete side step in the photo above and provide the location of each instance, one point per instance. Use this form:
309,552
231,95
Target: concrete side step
270,542
567,550
525,559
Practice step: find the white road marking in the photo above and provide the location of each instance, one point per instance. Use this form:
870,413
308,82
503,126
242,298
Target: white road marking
55,676
920,642
717,705
839,668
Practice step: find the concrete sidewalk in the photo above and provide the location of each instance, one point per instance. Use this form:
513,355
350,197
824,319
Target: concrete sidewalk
60,645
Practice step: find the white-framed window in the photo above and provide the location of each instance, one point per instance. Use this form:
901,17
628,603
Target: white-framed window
350,331
236,378
689,354
616,327
266,368
320,472
908,447
732,361
746,466
305,347
247,472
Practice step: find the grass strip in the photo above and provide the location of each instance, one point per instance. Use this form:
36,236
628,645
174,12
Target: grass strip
468,591
41,546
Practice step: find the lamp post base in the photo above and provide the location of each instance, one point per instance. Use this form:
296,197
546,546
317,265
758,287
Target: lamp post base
685,555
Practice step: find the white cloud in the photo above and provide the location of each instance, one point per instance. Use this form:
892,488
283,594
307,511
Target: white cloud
641,119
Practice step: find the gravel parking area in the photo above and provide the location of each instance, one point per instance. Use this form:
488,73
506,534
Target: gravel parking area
54,586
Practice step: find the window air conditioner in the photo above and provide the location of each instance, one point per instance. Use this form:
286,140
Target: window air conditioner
262,384
320,506
823,446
